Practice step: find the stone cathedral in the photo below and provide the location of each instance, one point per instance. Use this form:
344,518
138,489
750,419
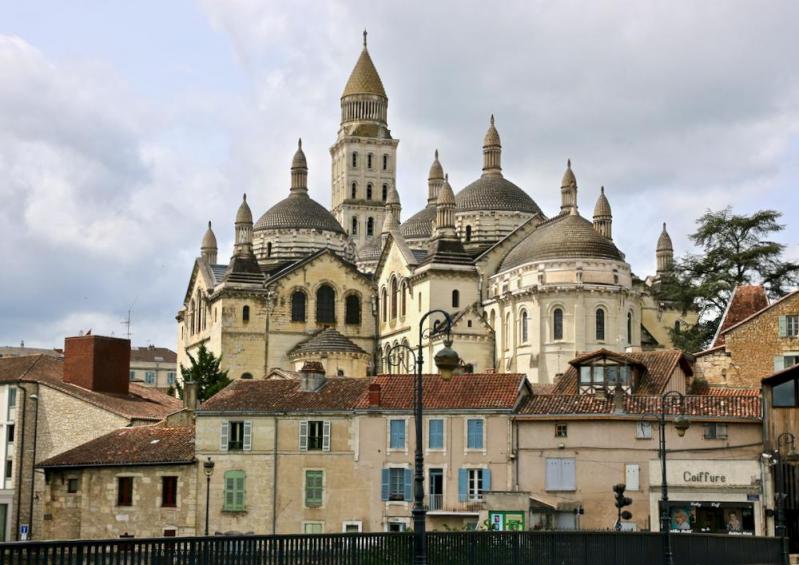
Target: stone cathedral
527,292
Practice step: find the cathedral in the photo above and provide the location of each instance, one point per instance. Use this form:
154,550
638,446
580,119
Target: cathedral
526,292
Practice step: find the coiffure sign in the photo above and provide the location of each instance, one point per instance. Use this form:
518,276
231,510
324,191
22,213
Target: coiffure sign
706,473
703,477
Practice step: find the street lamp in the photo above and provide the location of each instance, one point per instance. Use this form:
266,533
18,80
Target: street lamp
669,402
208,468
785,439
446,361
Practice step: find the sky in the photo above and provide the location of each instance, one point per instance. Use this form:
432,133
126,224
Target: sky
126,126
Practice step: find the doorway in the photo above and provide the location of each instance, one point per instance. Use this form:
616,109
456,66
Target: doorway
436,489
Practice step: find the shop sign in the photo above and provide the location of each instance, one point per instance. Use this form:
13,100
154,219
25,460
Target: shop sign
703,477
503,521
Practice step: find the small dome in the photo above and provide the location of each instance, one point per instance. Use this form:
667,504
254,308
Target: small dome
446,196
420,225
364,78
664,241
569,236
299,161
602,207
495,193
436,170
492,135
298,211
393,196
244,215
568,177
209,239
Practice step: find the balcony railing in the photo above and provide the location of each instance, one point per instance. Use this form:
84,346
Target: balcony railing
437,503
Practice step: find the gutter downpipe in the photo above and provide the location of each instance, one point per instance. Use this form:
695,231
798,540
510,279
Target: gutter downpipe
274,479
18,478
33,463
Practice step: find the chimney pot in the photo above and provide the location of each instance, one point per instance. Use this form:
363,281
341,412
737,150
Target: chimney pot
374,395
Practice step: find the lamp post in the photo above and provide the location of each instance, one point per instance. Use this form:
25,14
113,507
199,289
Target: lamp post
446,360
785,439
668,403
208,468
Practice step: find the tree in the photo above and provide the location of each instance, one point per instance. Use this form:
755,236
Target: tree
736,250
205,371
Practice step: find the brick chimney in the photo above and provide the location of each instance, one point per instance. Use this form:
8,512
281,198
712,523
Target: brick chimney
374,395
97,363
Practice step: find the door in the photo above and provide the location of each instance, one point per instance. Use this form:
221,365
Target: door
436,489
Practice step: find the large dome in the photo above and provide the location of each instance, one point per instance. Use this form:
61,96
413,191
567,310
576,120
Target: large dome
420,225
568,236
491,192
298,211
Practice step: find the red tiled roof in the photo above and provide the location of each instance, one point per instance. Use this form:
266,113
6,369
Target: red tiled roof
747,299
660,365
474,391
152,354
586,404
139,445
269,395
721,390
141,403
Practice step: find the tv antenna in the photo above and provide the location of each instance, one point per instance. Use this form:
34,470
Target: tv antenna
126,322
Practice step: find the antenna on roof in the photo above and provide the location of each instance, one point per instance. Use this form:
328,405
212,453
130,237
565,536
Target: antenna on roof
126,322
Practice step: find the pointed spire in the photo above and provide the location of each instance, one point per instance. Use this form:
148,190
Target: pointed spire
603,218
664,252
299,171
243,229
208,247
394,209
244,214
445,211
492,151
364,38
435,179
568,191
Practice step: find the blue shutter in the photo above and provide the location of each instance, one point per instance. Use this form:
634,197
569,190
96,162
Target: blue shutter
384,487
486,479
408,485
463,484
783,326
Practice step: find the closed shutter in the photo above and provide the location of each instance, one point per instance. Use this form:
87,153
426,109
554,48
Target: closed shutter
633,477
783,322
568,475
408,485
386,477
303,436
463,484
326,436
230,487
553,474
779,363
239,499
486,480
247,440
224,433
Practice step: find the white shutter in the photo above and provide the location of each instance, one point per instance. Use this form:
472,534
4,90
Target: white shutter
632,477
303,435
783,325
326,436
223,436
553,474
247,440
779,363
568,474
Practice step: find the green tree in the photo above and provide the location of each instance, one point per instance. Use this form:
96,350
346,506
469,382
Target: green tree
735,250
204,370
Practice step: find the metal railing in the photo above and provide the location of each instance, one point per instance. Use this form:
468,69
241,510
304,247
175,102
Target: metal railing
437,503
444,548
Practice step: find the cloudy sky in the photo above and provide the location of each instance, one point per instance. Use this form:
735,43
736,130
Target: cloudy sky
126,126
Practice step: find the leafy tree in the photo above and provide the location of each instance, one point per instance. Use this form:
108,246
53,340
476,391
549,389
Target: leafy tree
736,250
204,370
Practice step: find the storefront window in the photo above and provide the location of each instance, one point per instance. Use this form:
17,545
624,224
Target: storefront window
712,518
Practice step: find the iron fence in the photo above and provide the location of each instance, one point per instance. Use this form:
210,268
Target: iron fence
444,548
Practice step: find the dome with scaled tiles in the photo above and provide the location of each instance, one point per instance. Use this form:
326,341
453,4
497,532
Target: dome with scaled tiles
495,193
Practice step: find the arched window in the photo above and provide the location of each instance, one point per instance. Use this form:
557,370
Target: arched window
456,298
394,292
385,192
384,303
403,299
524,326
191,317
298,306
246,376
557,324
353,310
354,191
354,230
385,162
325,305
369,191
354,158
468,233
245,314
600,324
370,227
369,161
492,320
629,328
387,358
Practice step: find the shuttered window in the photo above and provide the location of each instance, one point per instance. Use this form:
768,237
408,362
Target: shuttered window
473,483
234,491
435,433
314,435
474,434
235,436
396,484
396,434
632,476
314,488
560,474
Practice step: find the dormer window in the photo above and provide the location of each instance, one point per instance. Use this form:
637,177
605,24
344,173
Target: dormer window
595,377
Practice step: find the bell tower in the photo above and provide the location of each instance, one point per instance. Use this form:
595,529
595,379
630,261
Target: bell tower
364,156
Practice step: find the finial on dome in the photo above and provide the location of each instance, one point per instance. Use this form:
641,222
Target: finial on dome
664,226
492,119
436,153
602,189
209,224
568,163
299,143
244,197
364,38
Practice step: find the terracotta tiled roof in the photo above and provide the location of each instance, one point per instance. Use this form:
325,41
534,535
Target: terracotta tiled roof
153,354
139,445
721,390
141,403
696,406
278,395
327,340
476,392
746,300
659,367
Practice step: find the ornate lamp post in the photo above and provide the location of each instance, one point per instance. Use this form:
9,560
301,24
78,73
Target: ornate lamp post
670,402
785,439
446,360
208,468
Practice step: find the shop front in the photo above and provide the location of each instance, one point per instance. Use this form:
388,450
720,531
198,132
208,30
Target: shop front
709,496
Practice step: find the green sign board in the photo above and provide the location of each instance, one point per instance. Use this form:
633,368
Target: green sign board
506,521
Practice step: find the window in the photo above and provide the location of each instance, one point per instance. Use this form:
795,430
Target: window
314,489
351,527
715,430
354,191
385,192
789,325
149,377
474,434
783,395
435,433
561,430
396,434
369,161
677,326
12,396
403,300
269,249
629,328
169,492
354,230
384,302
10,429
325,305
234,491
473,483
600,324
9,468
236,436
557,324
369,191
245,314
385,162
560,474
246,376
354,158
643,430
524,326
468,233
396,484
394,292
171,377
632,476
73,485
370,227
315,435
605,376
124,491
456,298
170,532
352,309
313,527
298,306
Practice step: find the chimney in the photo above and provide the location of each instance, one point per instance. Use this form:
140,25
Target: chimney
374,395
312,376
98,363
190,395
618,400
